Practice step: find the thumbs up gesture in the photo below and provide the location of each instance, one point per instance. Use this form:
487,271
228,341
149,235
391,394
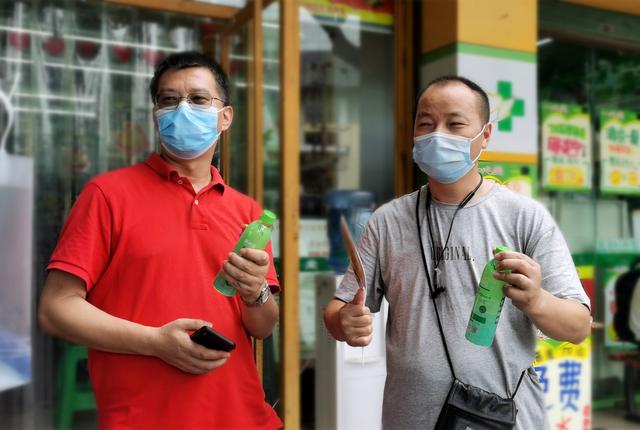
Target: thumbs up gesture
356,321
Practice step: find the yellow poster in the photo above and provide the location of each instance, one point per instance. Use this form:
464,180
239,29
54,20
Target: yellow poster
564,371
375,12
619,152
566,147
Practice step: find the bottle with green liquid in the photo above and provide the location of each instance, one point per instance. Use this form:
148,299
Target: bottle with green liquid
488,304
255,236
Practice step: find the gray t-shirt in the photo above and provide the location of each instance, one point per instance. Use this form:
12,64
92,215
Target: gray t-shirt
418,377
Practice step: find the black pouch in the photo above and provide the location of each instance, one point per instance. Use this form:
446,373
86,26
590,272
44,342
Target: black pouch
467,407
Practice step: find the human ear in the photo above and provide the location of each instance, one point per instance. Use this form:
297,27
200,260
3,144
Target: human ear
486,135
225,119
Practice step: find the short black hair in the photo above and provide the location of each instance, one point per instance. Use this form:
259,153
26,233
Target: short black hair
184,60
485,110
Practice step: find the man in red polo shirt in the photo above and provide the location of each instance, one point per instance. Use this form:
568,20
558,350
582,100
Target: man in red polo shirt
131,276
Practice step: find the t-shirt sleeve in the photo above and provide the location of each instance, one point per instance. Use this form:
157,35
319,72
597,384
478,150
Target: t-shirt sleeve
85,241
272,276
369,250
559,274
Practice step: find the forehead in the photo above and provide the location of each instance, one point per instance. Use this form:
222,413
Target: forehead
189,79
448,97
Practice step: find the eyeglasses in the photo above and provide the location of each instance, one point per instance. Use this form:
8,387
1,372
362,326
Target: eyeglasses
172,100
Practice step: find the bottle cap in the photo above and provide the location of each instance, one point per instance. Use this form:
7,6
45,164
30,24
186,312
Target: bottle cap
502,248
267,217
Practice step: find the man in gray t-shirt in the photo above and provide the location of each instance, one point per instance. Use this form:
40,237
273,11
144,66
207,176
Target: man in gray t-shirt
543,288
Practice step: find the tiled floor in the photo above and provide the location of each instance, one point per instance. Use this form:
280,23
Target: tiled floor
608,419
604,419
612,419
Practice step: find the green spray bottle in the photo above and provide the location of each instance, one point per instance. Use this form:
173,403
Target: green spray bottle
255,236
488,304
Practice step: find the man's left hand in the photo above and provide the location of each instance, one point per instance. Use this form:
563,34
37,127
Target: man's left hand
524,282
246,272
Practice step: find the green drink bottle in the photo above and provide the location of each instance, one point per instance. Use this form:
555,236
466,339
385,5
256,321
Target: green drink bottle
488,304
255,236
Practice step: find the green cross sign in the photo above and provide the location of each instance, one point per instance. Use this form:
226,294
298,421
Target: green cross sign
517,109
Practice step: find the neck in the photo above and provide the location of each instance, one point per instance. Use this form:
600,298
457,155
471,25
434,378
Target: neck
454,193
198,170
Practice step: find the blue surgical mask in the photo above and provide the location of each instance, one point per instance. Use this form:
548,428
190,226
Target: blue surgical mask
188,131
444,157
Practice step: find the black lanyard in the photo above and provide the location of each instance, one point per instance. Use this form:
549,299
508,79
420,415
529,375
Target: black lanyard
436,289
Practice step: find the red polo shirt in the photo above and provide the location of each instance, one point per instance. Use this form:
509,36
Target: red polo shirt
148,249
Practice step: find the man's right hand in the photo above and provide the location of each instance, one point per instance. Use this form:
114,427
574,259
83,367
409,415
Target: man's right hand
356,321
173,345
65,312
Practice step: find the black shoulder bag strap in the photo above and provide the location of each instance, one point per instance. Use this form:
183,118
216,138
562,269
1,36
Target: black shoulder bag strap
435,292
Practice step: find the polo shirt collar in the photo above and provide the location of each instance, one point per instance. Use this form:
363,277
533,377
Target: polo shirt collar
167,171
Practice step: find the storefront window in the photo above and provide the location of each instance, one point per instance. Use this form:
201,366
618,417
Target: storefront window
583,66
239,90
74,78
272,185
347,143
347,107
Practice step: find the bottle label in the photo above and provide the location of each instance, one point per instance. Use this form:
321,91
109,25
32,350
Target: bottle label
487,305
476,317
484,316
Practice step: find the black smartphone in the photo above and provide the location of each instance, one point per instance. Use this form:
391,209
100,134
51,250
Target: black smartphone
208,337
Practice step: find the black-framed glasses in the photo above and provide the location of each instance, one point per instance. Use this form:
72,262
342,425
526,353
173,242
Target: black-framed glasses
172,100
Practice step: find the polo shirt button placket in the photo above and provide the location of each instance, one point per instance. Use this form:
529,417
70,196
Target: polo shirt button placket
179,181
196,202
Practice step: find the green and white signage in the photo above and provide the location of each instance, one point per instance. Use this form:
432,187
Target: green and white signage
619,152
567,163
509,78
521,178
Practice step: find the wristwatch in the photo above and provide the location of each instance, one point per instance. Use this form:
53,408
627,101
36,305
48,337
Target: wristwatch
262,298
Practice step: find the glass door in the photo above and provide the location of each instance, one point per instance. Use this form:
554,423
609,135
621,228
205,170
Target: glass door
260,51
242,151
75,78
